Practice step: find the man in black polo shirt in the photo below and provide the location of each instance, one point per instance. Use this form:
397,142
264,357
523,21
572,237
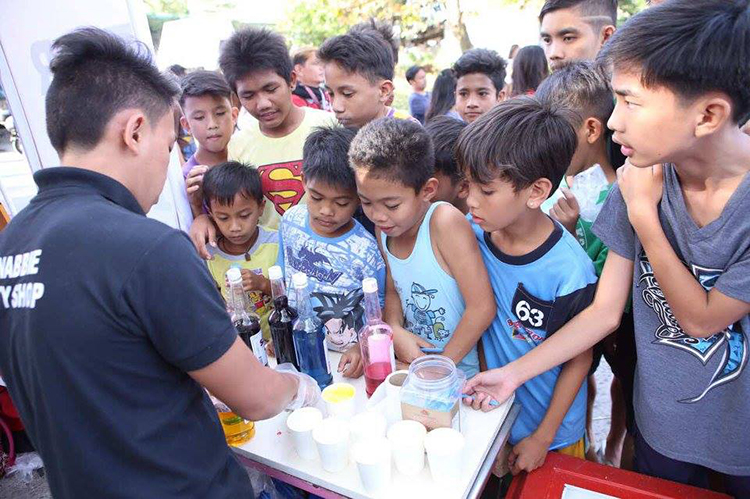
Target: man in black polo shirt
109,321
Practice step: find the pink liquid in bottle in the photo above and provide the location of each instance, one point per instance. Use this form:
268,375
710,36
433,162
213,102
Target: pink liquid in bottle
376,374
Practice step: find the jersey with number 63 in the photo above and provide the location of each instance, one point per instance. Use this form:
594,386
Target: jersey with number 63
536,295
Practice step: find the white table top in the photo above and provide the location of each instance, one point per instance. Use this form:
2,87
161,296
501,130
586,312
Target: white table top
272,446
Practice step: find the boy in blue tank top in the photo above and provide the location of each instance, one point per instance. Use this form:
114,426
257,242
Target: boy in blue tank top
541,277
438,294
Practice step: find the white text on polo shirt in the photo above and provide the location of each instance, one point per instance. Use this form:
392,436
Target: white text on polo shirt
24,294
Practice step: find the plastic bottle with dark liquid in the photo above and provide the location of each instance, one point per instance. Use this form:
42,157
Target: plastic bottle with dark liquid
281,320
375,339
309,336
246,323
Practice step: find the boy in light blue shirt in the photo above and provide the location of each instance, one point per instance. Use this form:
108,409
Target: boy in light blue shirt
323,241
540,275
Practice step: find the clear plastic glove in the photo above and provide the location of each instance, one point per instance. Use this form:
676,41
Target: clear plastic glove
308,391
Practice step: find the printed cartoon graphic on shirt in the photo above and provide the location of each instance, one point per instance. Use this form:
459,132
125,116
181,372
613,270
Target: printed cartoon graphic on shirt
314,263
731,343
341,315
420,319
282,184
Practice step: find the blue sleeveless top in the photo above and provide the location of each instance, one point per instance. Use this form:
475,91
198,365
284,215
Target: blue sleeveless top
430,298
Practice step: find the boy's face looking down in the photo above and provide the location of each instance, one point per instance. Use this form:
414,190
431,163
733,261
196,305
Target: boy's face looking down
267,97
653,125
311,72
569,36
331,207
238,222
210,119
496,205
419,83
393,207
355,99
475,95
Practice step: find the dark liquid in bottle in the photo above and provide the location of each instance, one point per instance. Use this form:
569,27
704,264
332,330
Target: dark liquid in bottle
247,331
280,323
375,374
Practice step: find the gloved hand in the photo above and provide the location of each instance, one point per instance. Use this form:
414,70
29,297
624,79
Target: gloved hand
308,391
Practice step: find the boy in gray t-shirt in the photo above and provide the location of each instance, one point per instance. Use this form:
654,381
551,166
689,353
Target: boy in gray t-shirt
679,238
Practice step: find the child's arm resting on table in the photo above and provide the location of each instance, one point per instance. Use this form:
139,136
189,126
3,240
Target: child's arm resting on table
580,334
530,452
699,313
458,247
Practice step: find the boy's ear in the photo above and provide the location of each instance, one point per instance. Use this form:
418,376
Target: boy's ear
501,95
235,115
293,80
594,129
134,131
184,123
539,191
713,112
386,90
463,189
429,189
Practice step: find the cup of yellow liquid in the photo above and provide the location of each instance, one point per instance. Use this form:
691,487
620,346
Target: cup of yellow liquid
339,399
237,430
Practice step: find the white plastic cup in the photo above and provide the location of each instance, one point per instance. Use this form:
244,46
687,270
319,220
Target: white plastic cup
373,458
445,448
339,399
301,424
332,439
407,444
367,425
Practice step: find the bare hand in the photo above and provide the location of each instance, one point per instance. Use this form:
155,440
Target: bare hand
641,188
528,454
203,231
255,282
194,184
566,210
408,346
351,365
496,384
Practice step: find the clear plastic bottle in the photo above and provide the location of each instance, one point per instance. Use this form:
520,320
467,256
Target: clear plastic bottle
246,323
309,336
375,339
281,320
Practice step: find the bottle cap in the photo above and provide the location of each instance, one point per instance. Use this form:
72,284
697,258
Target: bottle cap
370,285
299,280
234,275
274,273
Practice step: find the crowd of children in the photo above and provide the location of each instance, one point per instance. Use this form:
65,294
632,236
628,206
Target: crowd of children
522,230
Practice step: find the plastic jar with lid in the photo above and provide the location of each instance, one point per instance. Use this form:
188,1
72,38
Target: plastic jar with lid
431,393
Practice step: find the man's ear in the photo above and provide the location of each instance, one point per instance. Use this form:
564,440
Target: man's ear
606,34
386,90
714,111
594,129
293,80
539,191
134,132
501,95
429,189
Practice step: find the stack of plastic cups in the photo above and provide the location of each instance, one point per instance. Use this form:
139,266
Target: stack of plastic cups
301,424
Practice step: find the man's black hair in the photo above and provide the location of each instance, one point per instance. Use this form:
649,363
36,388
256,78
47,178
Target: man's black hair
384,29
484,61
520,141
96,74
598,13
690,47
444,132
178,70
529,69
253,49
325,157
395,150
412,72
582,87
200,83
225,180
443,96
364,53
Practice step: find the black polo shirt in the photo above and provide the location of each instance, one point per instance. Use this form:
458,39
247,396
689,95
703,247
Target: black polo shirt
102,313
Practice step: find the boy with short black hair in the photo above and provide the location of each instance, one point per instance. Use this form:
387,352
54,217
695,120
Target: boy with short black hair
310,78
234,197
540,275
575,30
322,240
438,294
419,100
480,82
452,186
257,65
359,68
678,237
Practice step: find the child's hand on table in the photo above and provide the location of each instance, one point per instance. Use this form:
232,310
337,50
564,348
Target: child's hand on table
351,365
408,346
269,349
